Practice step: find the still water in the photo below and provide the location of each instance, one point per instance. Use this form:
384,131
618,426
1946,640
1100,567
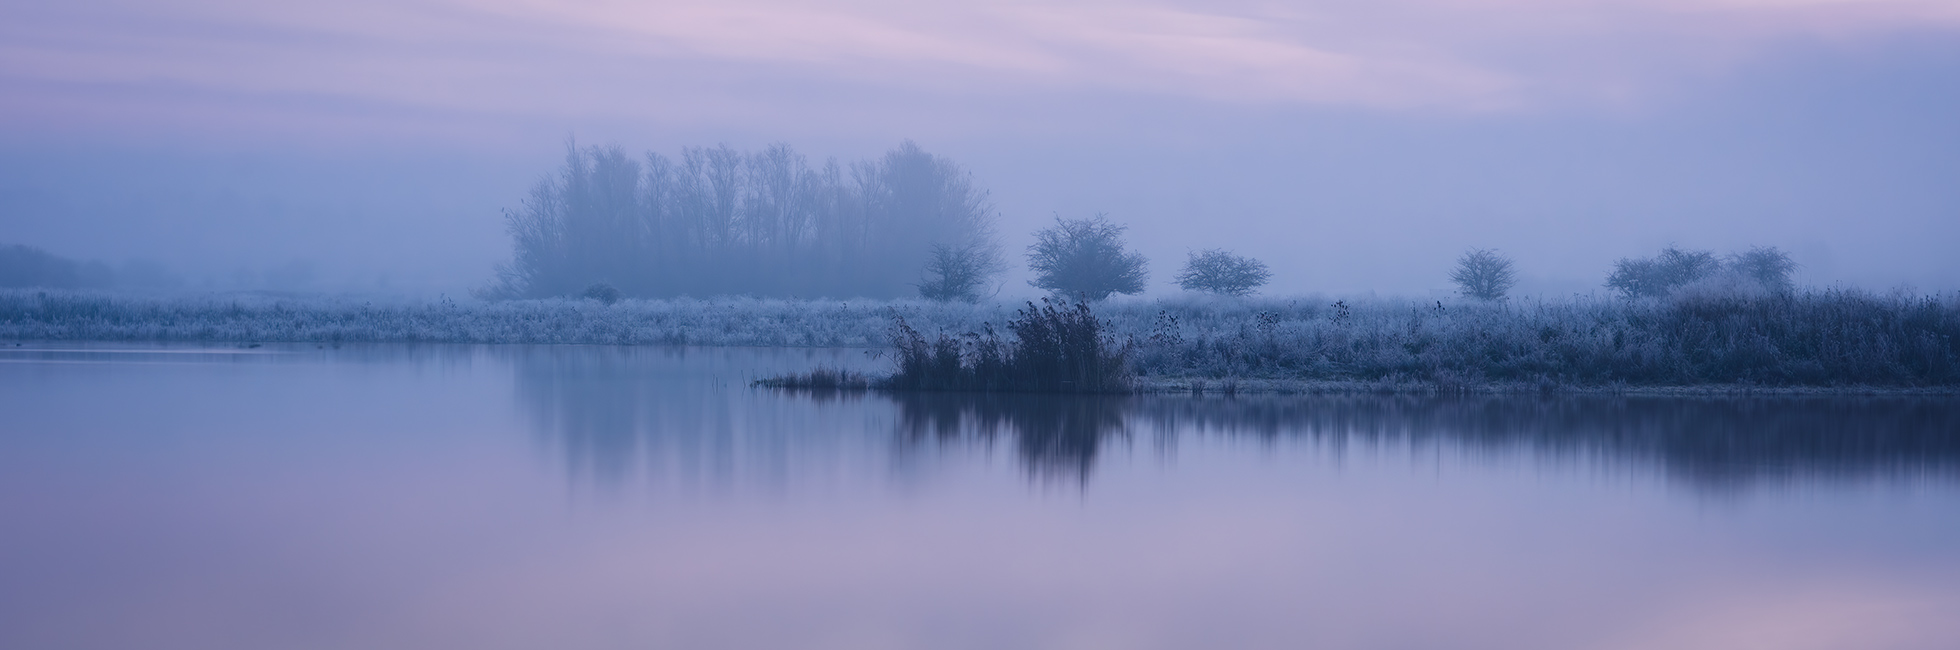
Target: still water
597,497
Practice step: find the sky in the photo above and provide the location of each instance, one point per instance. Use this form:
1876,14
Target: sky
1354,146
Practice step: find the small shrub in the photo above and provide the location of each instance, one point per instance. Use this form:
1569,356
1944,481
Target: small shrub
958,272
1484,275
601,292
1221,272
1084,258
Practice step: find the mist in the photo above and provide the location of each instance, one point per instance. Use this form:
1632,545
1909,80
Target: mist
1838,148
1073,323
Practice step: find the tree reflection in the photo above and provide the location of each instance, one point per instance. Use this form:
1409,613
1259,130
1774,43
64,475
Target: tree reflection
683,415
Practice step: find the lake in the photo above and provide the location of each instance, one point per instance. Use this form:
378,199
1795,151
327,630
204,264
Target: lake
481,497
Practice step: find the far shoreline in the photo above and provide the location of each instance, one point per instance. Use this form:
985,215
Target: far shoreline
1154,386
1813,342
1230,386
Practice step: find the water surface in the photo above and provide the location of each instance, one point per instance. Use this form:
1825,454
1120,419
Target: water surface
604,497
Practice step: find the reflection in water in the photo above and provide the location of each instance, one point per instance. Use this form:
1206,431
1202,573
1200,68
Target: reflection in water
1711,442
689,415
685,414
1054,436
597,402
383,497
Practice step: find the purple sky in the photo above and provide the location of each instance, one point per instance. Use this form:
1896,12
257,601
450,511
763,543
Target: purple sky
1355,146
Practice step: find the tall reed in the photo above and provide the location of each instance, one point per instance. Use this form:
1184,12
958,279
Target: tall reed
1056,348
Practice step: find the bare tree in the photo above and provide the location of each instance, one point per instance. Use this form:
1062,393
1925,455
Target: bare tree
1085,258
1220,272
958,272
1483,274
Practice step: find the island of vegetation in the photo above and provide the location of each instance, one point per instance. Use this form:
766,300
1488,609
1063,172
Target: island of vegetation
610,250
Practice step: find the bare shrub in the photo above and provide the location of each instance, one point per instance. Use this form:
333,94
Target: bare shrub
1085,258
1221,272
959,272
1483,274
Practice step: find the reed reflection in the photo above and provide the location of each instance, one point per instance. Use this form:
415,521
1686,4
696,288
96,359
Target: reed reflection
1053,436
1710,443
688,414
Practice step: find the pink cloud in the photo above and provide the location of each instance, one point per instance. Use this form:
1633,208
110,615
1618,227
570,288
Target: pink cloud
695,60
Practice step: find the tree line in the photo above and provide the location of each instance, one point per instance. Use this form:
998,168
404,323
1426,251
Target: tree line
717,221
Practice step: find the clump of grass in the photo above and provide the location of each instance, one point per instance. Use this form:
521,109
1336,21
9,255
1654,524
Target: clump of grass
1057,348
821,378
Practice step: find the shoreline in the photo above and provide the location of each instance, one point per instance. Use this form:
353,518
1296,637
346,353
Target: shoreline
1227,387
1157,385
1810,342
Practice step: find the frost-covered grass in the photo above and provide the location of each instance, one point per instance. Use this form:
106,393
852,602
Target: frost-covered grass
1821,338
71,315
1830,338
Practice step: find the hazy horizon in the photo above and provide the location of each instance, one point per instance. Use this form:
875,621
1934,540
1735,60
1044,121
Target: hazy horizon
1352,147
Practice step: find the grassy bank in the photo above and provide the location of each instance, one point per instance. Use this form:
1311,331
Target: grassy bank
96,316
1817,339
